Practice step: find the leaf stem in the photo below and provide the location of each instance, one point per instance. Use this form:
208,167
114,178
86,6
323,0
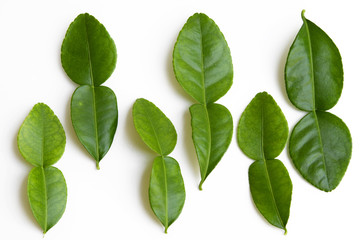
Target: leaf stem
98,165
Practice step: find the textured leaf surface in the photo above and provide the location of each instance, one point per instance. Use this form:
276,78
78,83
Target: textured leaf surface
263,129
94,117
88,54
166,191
47,194
313,71
320,147
41,138
212,129
202,60
262,134
271,189
155,129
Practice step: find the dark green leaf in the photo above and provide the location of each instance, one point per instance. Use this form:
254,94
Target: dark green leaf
47,194
88,54
155,129
41,139
320,147
263,129
94,116
313,71
271,189
202,60
166,191
212,128
262,134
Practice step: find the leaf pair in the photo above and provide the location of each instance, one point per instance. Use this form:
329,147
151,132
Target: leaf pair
166,191
41,141
203,67
320,144
88,56
262,135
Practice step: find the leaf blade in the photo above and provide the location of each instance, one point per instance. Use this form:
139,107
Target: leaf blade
88,53
320,147
41,138
47,193
94,117
202,61
313,71
166,190
155,129
271,189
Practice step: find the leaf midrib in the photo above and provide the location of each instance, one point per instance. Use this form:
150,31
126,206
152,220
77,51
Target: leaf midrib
92,85
166,195
45,202
154,131
313,97
266,169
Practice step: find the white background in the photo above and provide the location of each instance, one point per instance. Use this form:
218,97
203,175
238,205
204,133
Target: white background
112,203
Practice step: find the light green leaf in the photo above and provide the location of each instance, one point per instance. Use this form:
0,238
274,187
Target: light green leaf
41,138
262,134
262,129
166,191
88,53
155,129
47,194
313,71
94,117
271,188
320,147
212,129
202,60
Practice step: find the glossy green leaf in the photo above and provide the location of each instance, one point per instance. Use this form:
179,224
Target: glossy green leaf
202,60
94,116
88,53
155,129
47,194
263,129
88,56
41,139
212,129
203,67
320,147
166,191
320,144
262,134
313,71
271,189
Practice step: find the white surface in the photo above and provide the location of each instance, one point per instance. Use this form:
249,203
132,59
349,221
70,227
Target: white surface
112,203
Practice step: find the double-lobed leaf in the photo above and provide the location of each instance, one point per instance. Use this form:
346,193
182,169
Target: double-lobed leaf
88,56
166,190
262,135
203,67
212,128
320,144
41,141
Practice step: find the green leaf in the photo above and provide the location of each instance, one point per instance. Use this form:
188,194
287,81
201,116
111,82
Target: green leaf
166,191
262,135
47,194
155,129
313,71
271,189
41,138
88,53
212,129
88,56
94,116
202,60
320,147
262,129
